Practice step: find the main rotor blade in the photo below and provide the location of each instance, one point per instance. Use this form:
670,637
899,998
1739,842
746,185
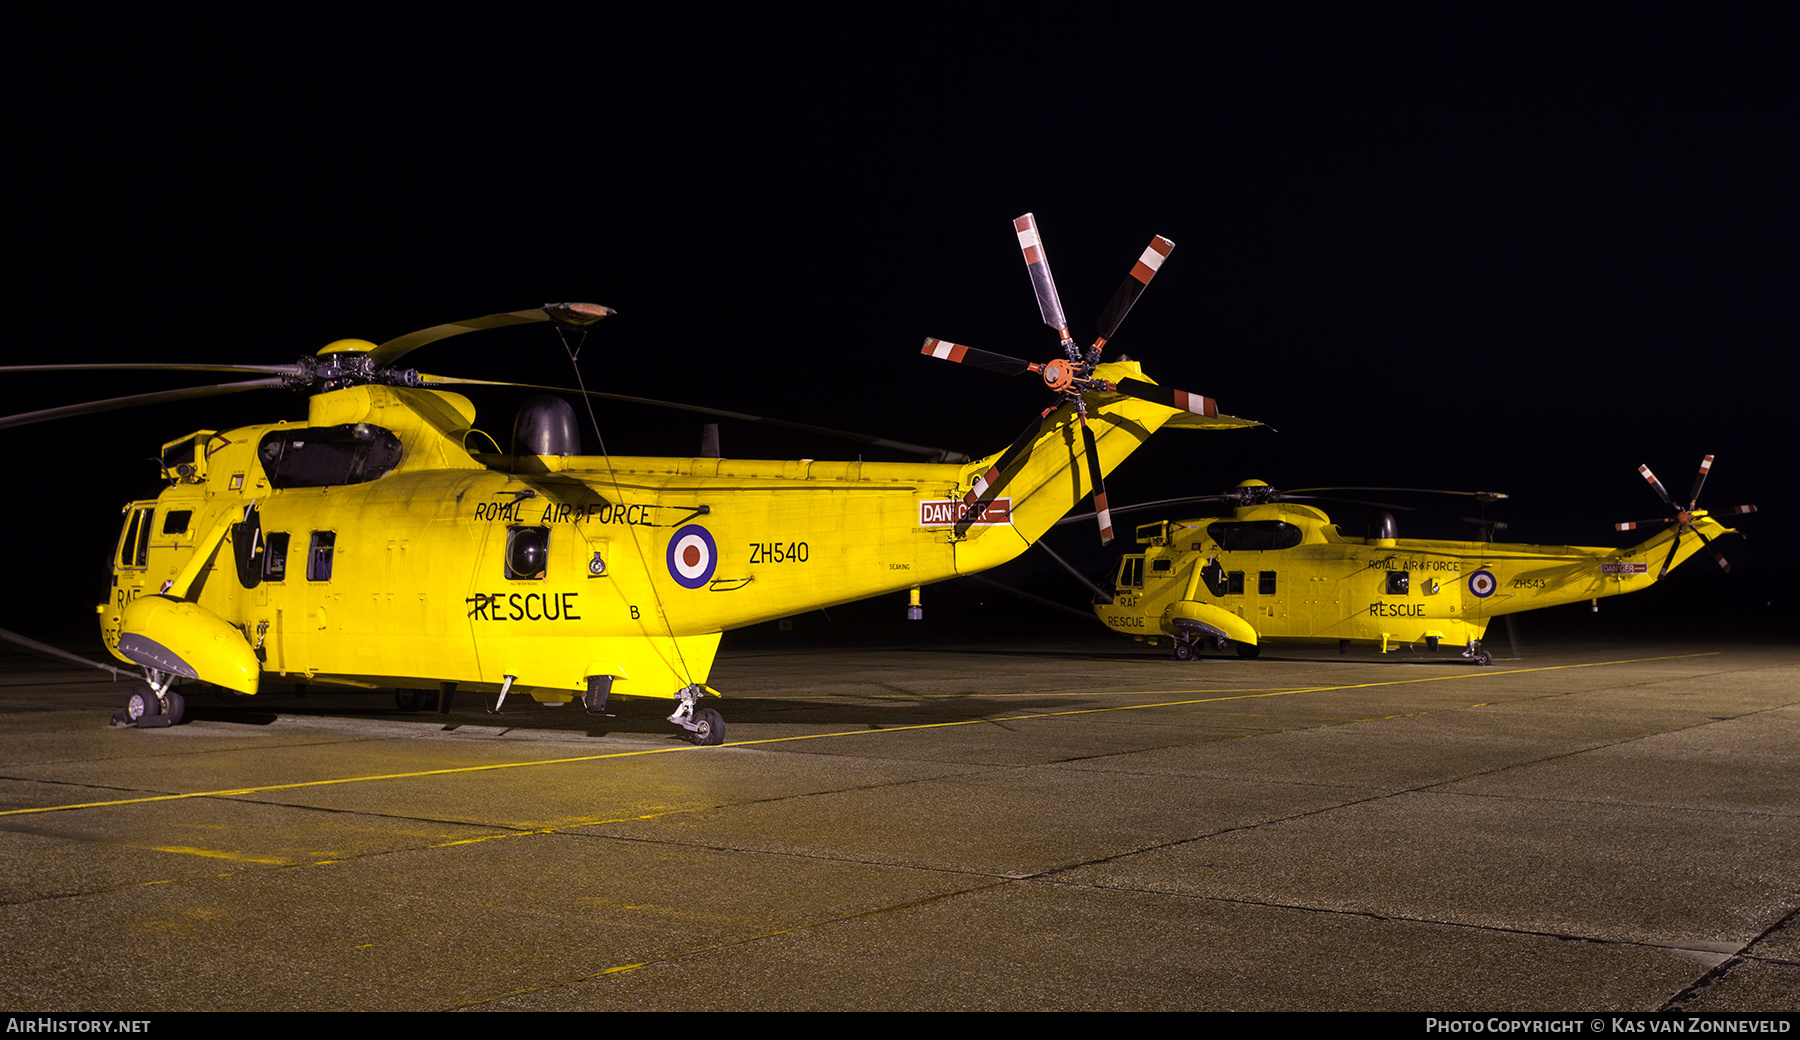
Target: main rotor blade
1091,449
1101,594
576,315
987,487
1006,366
1348,501
933,454
1038,265
1141,272
51,651
983,579
135,400
153,366
1699,481
1236,500
1485,496
1180,400
1160,503
1657,484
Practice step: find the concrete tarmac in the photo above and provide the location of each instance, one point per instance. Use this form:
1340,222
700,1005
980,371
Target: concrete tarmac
1602,826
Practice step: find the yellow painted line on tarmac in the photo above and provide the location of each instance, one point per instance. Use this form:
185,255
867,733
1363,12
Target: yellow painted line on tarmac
235,857
1188,702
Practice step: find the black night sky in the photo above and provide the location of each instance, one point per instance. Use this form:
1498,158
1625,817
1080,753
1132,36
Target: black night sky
1463,246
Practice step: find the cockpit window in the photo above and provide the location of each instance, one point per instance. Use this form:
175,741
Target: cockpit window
134,548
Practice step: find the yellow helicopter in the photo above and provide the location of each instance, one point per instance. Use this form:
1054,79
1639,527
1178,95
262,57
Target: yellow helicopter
1278,571
386,542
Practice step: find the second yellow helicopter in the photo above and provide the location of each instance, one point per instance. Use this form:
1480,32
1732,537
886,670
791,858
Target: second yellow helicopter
1278,571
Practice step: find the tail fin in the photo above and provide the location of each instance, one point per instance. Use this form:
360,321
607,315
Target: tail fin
1681,540
1049,476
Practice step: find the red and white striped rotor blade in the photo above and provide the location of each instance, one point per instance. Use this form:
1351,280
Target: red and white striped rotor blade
1654,483
1699,481
1038,265
1711,548
1141,272
960,354
987,485
1179,400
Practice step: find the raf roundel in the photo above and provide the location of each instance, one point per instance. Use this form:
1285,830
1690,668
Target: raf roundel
692,556
1482,583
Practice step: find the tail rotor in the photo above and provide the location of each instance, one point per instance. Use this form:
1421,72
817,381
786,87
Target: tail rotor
1068,377
1684,516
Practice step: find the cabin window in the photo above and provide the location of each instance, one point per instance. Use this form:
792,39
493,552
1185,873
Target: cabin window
134,548
527,552
1265,583
274,562
175,521
1234,583
1131,572
1398,582
318,556
1160,567
1254,535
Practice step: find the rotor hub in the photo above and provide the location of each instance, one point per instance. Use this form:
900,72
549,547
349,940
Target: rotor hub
1059,375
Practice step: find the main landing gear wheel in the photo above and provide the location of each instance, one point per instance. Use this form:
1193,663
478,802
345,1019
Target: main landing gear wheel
1248,650
705,726
709,728
176,708
415,700
1185,651
1478,655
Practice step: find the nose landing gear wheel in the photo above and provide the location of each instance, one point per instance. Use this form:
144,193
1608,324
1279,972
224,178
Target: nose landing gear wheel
145,711
142,704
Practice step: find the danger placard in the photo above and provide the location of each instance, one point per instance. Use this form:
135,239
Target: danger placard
949,512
